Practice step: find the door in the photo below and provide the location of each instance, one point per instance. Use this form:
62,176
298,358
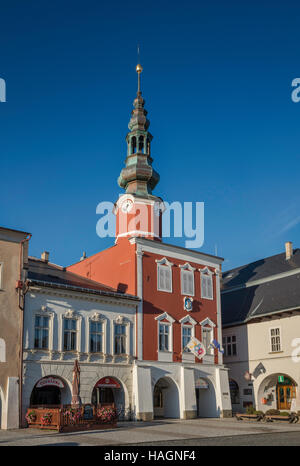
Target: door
285,393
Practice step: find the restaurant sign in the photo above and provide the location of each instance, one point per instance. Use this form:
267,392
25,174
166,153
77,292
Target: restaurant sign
50,381
107,382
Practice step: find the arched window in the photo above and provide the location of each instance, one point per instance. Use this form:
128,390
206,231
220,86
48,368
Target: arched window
133,145
141,144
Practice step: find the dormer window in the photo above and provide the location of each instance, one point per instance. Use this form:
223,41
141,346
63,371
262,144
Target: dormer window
164,275
207,291
187,280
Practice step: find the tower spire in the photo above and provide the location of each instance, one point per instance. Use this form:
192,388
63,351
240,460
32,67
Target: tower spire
138,176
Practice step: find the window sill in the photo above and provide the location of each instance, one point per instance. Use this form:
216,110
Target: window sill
276,352
165,291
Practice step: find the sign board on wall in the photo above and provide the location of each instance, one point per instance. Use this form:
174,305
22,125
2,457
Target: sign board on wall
107,382
50,382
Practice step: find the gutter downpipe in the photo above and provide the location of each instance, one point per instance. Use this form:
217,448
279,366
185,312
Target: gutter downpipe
22,307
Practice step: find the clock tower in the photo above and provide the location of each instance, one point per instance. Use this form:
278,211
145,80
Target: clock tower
138,212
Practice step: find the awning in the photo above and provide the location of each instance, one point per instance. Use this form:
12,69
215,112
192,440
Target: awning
107,382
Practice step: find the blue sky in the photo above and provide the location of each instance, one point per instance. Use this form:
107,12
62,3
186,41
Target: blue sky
217,84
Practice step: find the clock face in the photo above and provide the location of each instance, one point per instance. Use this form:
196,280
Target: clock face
127,205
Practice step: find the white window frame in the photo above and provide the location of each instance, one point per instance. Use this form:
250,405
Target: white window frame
43,311
207,274
121,320
225,345
278,327
164,264
187,270
98,318
164,325
48,328
207,323
165,355
70,314
187,355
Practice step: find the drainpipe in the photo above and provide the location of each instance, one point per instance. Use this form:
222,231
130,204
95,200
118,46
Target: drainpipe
22,290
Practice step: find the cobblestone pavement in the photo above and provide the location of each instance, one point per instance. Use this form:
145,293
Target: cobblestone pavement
164,432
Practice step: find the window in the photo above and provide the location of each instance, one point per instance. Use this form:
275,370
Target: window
206,284
41,332
229,345
207,339
120,339
164,337
187,279
70,334
164,278
275,340
187,282
164,275
96,337
186,336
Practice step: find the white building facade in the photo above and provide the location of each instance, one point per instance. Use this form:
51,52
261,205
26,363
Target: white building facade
261,333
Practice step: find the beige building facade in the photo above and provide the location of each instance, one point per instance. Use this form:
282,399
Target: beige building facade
13,264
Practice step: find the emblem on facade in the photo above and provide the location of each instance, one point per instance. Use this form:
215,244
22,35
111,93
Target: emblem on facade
188,303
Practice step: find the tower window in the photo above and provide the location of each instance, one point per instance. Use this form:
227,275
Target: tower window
141,143
133,144
148,146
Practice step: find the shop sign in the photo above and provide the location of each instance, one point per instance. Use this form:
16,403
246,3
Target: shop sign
107,382
50,381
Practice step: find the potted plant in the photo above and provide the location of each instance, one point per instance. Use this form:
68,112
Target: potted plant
30,417
73,414
46,419
107,415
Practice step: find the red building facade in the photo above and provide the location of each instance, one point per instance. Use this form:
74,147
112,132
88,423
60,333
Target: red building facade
179,290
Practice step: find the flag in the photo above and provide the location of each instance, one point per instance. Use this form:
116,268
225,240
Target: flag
196,347
216,345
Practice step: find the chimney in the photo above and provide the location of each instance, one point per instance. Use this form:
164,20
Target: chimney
83,256
288,250
45,256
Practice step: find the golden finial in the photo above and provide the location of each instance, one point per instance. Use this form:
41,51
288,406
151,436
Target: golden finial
139,69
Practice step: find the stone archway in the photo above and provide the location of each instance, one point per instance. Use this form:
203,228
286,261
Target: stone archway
166,402
110,391
276,391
